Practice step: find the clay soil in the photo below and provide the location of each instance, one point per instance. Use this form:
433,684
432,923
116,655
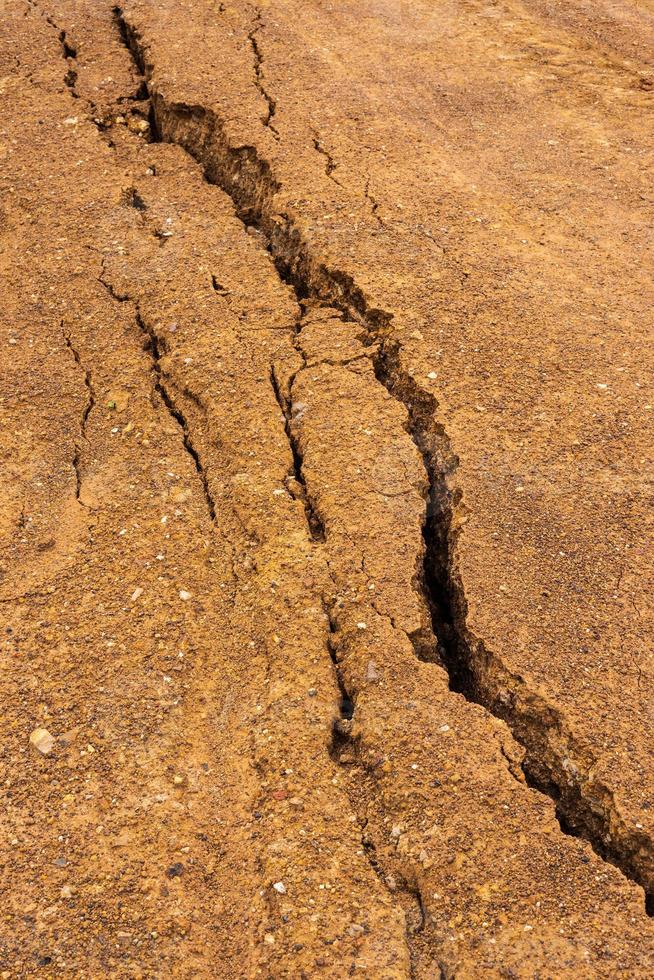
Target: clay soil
325,526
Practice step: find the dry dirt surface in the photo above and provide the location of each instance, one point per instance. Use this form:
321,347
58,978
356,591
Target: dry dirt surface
325,530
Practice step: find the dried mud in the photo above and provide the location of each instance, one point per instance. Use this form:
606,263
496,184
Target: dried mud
329,683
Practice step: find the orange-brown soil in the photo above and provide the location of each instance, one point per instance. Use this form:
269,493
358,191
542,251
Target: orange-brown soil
325,550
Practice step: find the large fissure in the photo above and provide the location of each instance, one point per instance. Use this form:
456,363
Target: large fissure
555,766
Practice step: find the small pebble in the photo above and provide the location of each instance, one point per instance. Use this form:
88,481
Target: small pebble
280,887
42,741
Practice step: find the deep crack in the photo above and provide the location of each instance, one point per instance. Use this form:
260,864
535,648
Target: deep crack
330,164
295,483
474,670
153,347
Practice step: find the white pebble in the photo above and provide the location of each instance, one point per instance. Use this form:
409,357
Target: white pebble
42,741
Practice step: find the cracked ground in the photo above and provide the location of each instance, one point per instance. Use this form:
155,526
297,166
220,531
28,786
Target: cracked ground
325,537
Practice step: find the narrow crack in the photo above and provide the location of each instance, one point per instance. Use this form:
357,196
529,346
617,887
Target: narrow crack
330,164
258,74
295,483
68,49
342,747
554,764
154,346
343,751
86,411
415,918
219,288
